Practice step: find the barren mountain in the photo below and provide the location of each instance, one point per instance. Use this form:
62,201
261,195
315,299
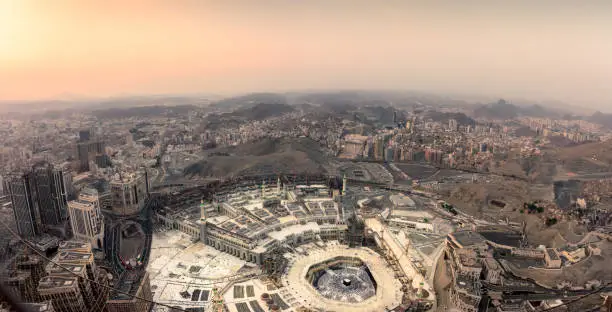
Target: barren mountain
267,156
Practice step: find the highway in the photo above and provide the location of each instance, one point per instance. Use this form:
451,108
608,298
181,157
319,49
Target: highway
555,294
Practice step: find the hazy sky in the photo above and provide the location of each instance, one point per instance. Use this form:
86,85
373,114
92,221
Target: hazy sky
536,49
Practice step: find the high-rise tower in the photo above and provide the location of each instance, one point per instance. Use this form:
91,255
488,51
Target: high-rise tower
86,219
129,192
22,192
89,146
51,194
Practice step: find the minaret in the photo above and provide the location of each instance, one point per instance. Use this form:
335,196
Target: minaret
202,222
263,188
202,210
278,185
344,185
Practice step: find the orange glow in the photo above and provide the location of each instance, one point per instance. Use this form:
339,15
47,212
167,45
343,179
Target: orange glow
548,49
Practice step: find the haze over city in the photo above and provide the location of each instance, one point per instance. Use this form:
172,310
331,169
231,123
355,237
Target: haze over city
546,50
305,156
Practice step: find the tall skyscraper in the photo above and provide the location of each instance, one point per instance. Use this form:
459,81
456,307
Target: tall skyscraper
89,146
52,198
453,125
22,192
39,199
83,156
85,218
84,135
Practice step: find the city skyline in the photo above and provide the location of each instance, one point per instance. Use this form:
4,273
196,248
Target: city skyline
550,50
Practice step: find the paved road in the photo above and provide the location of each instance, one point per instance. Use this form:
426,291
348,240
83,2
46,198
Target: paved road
441,283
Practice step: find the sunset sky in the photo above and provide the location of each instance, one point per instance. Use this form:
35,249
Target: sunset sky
534,49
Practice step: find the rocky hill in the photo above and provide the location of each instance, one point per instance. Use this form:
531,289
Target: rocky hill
249,100
262,111
504,110
461,118
143,111
499,110
267,156
602,119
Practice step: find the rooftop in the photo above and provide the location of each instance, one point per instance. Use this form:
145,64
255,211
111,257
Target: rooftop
54,281
126,177
511,239
468,257
552,254
38,307
75,246
468,284
467,238
401,200
75,256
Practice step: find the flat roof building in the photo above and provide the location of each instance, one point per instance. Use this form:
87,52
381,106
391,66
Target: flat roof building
63,292
129,193
86,219
74,283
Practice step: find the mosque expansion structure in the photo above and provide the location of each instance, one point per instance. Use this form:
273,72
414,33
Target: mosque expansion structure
279,242
252,219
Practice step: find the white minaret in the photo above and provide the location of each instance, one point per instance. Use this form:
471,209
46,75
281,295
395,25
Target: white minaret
278,185
344,185
263,188
202,222
202,210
